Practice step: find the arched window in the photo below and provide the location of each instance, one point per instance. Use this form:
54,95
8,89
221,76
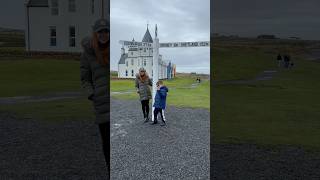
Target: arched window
132,73
126,72
145,62
132,63
127,63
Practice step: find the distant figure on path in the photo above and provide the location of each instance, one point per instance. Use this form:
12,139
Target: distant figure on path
160,102
279,58
286,61
95,78
142,84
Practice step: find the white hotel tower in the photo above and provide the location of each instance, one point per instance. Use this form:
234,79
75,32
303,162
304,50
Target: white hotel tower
138,56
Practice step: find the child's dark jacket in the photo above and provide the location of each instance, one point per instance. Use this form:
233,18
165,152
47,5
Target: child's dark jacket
161,97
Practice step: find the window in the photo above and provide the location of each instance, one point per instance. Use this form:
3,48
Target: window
72,36
138,62
92,6
144,49
53,36
132,62
126,72
54,7
72,5
127,63
132,53
132,73
145,62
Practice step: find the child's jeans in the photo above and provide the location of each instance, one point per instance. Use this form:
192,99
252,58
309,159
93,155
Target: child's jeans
156,111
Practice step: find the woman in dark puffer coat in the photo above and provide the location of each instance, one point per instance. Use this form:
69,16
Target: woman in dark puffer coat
142,85
95,78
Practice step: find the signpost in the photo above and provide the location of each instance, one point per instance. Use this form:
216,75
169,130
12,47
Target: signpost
156,45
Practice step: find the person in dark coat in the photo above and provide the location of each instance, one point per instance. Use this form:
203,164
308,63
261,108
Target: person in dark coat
279,58
95,79
160,102
142,84
286,61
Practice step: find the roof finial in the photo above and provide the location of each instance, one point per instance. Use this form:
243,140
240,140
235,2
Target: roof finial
147,24
156,31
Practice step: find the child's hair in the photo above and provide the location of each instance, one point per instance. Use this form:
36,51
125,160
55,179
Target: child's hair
159,83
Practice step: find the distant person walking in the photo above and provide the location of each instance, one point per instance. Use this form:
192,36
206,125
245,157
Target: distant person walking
286,61
160,102
95,78
279,59
142,84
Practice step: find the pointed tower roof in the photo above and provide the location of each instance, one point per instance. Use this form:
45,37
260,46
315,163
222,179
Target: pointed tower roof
147,37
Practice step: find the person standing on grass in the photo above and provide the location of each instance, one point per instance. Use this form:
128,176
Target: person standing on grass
95,78
142,84
286,61
160,102
279,58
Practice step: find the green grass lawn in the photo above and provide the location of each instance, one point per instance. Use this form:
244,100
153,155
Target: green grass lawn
281,111
35,76
180,94
53,111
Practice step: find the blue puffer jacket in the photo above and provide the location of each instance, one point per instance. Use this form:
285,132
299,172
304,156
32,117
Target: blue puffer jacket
161,97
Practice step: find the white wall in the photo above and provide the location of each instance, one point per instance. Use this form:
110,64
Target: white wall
40,19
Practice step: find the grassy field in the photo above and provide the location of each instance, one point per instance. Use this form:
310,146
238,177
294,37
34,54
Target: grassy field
280,111
34,77
53,111
180,92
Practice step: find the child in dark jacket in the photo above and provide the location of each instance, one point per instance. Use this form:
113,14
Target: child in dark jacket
160,102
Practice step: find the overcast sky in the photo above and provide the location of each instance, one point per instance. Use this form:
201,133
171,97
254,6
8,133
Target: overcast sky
177,20
283,18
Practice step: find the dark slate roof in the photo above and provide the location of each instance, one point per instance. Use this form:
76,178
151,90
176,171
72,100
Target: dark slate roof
38,3
123,59
147,37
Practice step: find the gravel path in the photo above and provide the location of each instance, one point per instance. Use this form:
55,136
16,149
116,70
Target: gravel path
71,150
41,98
179,150
42,150
251,162
263,76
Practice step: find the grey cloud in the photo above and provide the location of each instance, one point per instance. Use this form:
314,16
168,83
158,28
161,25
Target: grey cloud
178,20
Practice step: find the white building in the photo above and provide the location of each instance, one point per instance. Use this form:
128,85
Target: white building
60,25
138,56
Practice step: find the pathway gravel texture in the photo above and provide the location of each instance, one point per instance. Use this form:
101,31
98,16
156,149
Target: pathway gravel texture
33,149
44,150
179,150
252,162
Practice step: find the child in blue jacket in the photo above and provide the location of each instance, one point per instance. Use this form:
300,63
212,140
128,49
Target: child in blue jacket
160,102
